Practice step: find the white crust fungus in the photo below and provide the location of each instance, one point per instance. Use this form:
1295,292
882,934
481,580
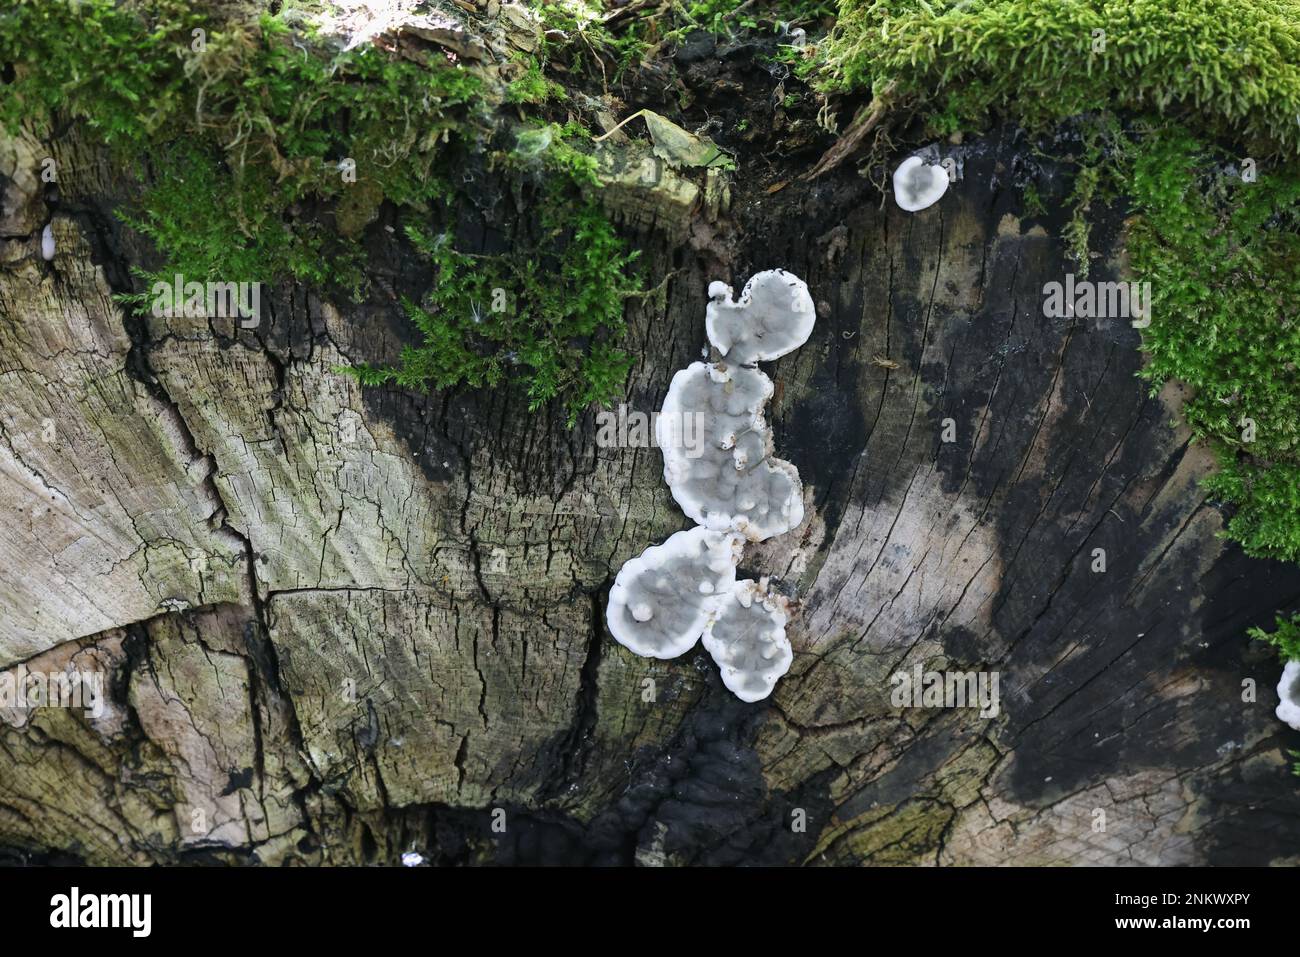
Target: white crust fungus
662,601
917,184
774,315
717,452
1288,691
747,640
718,462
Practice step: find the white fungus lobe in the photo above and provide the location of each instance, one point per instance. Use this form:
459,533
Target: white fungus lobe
47,242
657,607
773,316
719,464
747,640
1288,691
717,452
917,184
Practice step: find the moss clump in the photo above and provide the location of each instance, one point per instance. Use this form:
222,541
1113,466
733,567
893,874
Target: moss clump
268,150
208,229
531,86
1285,637
576,33
1223,260
236,120
548,316
1234,65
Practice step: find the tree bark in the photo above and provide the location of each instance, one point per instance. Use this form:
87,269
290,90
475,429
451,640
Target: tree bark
345,623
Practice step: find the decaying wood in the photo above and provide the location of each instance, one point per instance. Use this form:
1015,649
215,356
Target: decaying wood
344,623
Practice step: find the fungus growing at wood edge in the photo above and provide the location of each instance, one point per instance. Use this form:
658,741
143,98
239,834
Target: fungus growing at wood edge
747,640
662,600
1288,692
918,184
665,599
727,478
774,316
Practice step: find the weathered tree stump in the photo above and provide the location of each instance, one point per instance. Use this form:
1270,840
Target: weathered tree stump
341,623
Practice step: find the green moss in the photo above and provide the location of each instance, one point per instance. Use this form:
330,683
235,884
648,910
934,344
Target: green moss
1078,231
1033,201
1267,520
549,316
531,86
99,61
549,320
207,229
1285,637
1223,260
575,33
267,152
236,124
1234,65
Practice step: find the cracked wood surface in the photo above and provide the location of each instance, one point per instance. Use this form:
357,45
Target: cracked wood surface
339,623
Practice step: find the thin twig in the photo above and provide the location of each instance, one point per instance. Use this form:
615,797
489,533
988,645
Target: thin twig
622,13
866,120
608,133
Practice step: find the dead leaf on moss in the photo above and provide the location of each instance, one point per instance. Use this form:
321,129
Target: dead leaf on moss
676,146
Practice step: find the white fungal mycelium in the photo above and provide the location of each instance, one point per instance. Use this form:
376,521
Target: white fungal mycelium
720,466
773,316
662,601
1288,691
918,184
47,242
747,640
717,452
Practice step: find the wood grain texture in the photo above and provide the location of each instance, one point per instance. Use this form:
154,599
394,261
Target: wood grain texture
344,623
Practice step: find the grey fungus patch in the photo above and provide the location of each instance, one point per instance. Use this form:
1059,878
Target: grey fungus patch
717,452
774,316
719,464
662,601
747,639
918,184
1288,693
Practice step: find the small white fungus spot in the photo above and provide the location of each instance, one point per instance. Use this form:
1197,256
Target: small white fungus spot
917,184
1288,692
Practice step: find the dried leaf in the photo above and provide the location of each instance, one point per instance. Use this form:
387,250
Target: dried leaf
679,148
